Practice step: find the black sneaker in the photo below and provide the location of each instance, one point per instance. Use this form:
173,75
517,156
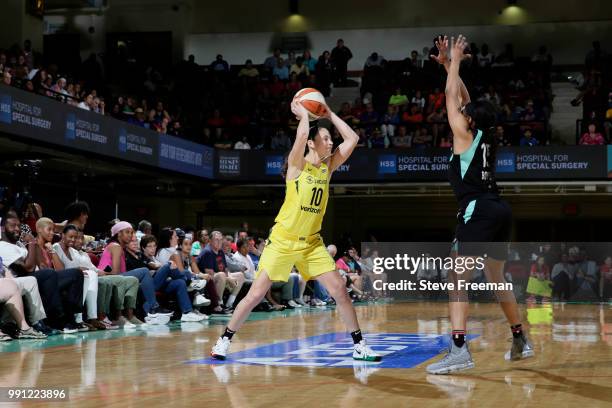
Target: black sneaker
82,327
287,305
43,328
226,311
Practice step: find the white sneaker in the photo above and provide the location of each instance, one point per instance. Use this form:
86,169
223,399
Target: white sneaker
200,300
293,304
301,302
120,322
128,325
197,285
191,317
318,302
109,325
204,316
157,319
363,352
219,351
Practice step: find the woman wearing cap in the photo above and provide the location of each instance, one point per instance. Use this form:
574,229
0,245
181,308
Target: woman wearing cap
116,293
113,262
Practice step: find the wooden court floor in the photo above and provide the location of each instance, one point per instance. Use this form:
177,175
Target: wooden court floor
168,366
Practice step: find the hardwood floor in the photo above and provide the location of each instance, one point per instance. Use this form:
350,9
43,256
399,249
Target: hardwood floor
302,358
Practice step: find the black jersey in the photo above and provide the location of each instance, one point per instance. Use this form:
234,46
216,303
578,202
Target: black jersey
472,173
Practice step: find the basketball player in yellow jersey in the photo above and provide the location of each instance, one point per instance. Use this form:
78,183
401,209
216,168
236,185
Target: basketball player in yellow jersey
295,238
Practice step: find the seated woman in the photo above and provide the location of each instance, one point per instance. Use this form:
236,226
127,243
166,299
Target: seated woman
10,298
199,280
70,281
113,262
64,256
167,245
117,294
173,282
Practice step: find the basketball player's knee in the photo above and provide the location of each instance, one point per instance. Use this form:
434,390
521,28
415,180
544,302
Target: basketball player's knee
341,296
337,289
255,296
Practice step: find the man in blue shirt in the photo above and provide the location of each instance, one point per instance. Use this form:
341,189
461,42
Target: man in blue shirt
528,139
212,261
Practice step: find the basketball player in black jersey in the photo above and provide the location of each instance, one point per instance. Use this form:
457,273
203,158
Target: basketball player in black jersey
483,216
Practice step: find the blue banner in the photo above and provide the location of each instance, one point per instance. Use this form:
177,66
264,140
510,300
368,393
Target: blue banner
185,156
39,118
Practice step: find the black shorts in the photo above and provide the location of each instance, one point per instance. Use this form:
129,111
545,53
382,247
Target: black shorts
484,228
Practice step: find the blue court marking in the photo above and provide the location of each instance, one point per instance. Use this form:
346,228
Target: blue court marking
399,350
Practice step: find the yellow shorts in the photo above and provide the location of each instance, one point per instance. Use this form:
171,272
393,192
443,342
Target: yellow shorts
309,257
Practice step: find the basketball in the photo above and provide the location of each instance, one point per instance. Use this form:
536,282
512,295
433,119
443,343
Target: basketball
313,101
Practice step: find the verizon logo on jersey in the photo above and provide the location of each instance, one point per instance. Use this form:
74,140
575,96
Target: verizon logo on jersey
311,209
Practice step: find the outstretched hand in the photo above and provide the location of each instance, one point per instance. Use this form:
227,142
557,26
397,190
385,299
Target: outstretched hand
442,46
458,48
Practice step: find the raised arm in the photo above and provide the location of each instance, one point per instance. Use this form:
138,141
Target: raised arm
462,137
443,59
350,140
295,160
30,261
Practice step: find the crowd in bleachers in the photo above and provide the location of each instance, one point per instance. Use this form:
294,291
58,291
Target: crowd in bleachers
401,103
247,106
595,96
56,279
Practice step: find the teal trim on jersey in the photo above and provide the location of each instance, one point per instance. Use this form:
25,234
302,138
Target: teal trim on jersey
468,155
455,246
469,210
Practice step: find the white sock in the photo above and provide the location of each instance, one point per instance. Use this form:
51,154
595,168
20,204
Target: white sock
230,300
78,317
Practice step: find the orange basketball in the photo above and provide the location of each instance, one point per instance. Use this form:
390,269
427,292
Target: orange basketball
313,101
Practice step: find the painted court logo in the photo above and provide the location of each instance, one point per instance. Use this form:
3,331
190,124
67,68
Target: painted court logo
399,350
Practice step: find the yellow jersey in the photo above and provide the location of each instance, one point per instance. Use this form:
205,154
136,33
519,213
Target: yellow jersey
305,201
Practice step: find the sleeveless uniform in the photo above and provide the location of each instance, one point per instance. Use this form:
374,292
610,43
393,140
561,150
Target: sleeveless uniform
483,216
294,238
